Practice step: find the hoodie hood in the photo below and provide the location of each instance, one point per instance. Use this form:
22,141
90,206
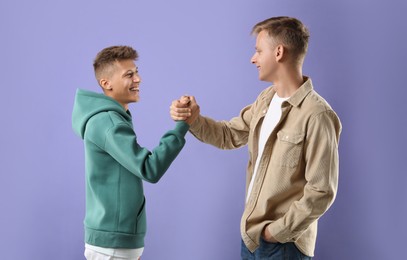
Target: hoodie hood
88,104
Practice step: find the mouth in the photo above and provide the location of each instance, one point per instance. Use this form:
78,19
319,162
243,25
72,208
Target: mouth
134,89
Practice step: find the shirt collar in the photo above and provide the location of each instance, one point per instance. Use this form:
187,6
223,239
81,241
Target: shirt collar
299,95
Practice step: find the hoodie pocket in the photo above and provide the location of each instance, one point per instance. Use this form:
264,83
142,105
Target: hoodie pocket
141,225
288,148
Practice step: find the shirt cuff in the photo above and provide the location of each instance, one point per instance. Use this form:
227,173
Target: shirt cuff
195,125
281,234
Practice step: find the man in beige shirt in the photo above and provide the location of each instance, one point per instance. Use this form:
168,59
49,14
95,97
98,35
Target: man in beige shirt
292,135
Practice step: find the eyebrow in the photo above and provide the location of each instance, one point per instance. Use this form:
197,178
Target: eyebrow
128,71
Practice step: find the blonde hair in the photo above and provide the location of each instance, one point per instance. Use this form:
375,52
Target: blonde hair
288,31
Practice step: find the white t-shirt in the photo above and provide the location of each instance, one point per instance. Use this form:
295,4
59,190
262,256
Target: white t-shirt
119,252
269,123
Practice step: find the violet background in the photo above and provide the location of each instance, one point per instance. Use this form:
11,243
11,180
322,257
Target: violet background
356,59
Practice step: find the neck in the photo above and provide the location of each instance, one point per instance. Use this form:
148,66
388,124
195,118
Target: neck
289,80
109,94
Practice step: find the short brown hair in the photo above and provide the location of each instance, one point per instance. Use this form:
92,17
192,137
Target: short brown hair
108,56
288,31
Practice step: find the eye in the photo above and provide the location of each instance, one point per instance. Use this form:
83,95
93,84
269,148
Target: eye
129,75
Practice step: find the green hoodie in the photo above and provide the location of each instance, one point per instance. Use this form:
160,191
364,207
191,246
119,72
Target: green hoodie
115,167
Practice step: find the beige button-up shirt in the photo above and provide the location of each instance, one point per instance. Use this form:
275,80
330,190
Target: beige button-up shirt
297,177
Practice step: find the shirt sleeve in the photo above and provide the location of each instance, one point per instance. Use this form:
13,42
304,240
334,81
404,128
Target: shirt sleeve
321,174
224,134
121,143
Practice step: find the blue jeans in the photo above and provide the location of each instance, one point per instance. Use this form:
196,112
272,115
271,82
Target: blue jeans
273,251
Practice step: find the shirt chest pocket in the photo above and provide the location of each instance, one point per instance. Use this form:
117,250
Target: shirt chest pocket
288,148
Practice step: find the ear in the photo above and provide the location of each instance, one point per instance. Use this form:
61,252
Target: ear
279,52
105,84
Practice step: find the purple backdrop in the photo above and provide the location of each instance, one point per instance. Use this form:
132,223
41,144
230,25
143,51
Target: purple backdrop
356,60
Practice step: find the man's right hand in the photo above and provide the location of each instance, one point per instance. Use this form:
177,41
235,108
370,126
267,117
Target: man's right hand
185,109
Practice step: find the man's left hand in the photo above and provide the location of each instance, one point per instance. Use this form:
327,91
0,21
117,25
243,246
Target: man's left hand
268,236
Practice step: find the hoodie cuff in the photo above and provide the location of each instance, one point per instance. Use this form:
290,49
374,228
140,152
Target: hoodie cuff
181,127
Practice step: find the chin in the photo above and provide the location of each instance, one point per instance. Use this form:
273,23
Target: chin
265,79
262,78
134,99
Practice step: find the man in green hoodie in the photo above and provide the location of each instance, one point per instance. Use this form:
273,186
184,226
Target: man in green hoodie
116,165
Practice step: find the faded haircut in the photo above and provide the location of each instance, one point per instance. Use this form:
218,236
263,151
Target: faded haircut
288,31
106,58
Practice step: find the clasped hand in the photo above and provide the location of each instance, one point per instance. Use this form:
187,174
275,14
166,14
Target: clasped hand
185,109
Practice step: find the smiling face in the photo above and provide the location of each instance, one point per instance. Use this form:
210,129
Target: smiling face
122,83
264,58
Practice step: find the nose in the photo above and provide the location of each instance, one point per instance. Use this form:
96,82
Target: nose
137,78
253,59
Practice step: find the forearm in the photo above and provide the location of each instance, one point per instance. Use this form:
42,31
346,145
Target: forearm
122,145
221,134
159,160
301,214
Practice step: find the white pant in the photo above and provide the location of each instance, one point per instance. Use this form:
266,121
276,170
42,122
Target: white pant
93,255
